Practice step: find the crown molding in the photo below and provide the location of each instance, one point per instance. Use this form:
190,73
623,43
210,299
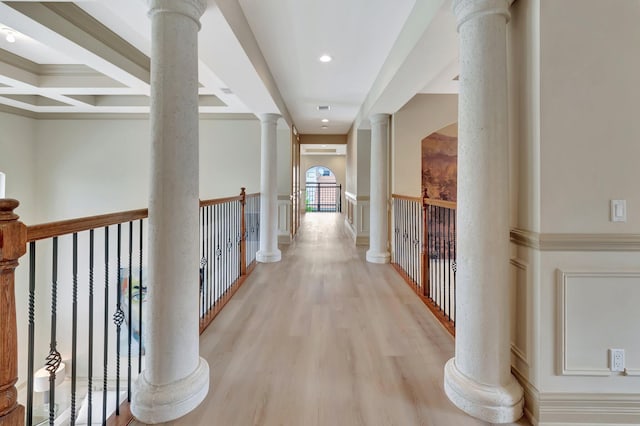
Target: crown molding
18,111
226,116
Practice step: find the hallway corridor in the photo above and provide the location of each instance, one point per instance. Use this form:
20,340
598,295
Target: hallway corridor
324,338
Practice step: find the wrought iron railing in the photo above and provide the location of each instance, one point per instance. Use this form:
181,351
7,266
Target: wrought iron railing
252,228
408,238
424,252
86,286
323,197
229,240
441,254
87,289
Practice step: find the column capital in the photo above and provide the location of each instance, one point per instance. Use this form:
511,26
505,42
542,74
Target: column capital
466,10
192,9
379,118
269,118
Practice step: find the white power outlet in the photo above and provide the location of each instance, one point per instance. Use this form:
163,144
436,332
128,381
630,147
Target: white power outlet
616,360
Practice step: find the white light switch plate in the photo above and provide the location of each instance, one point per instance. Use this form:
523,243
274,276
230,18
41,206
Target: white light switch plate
618,210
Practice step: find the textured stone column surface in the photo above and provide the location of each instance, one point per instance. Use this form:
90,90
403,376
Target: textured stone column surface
378,251
479,380
269,251
175,379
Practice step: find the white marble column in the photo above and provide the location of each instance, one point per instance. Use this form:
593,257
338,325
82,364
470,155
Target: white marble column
269,251
175,379
479,380
378,195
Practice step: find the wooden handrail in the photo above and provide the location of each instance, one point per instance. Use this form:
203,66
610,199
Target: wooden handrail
441,203
406,197
215,201
64,227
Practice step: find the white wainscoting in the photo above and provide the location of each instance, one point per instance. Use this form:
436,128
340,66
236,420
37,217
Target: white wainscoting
284,219
357,218
585,334
521,314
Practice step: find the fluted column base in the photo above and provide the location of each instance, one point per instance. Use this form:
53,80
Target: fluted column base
154,404
494,404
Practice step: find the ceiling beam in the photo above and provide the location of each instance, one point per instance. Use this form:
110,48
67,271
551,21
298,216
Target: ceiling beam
67,28
238,23
429,37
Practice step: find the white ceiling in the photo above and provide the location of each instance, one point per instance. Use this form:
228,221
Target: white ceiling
95,59
293,34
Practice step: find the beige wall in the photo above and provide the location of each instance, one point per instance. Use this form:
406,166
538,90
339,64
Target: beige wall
352,161
590,96
229,157
284,162
421,116
358,160
17,154
573,147
87,167
364,162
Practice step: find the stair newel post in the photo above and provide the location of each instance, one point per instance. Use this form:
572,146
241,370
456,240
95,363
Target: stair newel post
243,233
13,244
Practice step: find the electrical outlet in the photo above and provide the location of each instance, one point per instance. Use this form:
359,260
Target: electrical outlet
616,360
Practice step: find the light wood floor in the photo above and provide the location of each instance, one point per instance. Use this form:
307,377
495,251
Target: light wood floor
324,338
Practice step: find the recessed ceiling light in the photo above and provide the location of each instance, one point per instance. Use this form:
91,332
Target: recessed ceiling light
325,120
324,146
325,58
10,37
324,127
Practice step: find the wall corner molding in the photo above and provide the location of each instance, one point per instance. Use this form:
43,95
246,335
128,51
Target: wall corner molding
531,397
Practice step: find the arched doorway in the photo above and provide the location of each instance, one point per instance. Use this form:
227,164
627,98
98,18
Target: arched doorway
323,194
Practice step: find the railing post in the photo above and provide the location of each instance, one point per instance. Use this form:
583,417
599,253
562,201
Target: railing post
13,244
243,232
425,249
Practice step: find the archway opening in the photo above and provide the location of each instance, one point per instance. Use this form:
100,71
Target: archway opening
323,194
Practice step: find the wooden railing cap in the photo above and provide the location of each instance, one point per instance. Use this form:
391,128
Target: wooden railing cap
13,233
7,206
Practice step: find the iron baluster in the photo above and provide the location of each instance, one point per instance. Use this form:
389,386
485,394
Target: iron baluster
32,305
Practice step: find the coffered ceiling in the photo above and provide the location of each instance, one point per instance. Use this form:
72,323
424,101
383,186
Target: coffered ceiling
255,56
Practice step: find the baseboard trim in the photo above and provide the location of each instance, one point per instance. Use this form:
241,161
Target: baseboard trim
531,397
349,229
359,240
578,409
362,240
589,409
